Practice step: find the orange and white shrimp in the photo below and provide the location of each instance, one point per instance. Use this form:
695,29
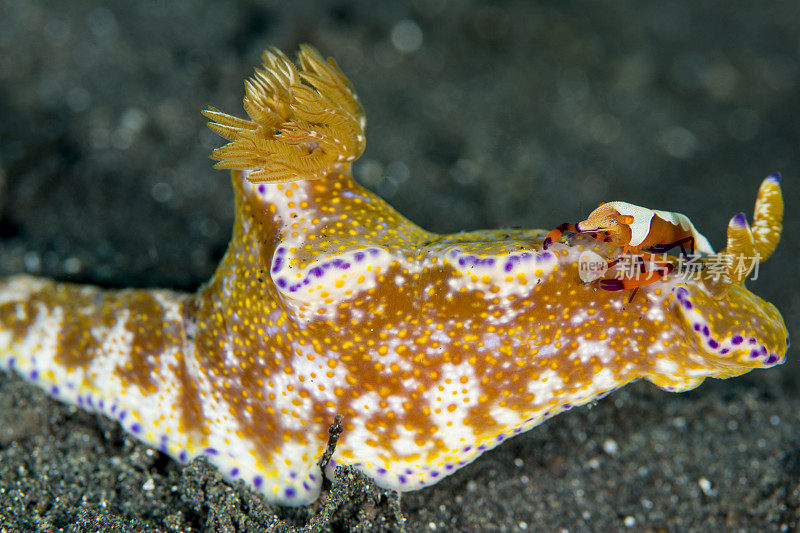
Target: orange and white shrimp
638,230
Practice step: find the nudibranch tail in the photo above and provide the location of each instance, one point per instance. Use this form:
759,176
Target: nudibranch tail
123,353
304,120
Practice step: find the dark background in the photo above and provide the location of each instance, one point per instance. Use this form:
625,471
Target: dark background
510,114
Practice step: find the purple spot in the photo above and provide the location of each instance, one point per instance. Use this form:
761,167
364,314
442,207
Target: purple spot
80,401
34,374
276,266
567,406
772,359
292,475
740,220
122,415
89,401
316,272
448,467
54,390
724,351
713,343
753,353
182,457
752,340
468,448
381,471
500,438
401,478
359,256
737,339
234,472
136,428
683,297
12,362
257,482
462,262
373,251
101,403
409,471
262,189
697,327
290,492
210,451
510,263
706,331
312,477
775,176
114,408
434,474
305,486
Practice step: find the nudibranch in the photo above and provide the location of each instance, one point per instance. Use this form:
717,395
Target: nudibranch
433,348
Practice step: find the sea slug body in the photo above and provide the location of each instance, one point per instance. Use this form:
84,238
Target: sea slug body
434,348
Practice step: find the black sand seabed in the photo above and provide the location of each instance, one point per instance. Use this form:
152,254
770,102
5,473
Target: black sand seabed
515,114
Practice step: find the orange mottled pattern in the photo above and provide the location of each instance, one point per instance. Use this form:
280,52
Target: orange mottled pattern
433,348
